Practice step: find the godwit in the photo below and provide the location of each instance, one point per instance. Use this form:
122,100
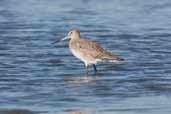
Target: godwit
88,51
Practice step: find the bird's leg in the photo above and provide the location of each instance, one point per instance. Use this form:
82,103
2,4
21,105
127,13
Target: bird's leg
94,66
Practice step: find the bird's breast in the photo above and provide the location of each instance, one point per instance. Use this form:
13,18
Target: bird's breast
76,51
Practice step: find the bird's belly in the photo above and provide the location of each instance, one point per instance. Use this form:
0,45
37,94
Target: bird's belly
78,55
84,57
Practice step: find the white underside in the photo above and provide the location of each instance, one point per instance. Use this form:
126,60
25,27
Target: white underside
82,58
87,62
100,60
76,54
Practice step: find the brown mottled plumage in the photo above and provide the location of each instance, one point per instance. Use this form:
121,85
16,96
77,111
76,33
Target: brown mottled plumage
88,51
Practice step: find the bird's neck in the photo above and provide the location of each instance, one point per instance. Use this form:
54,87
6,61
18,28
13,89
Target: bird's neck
75,38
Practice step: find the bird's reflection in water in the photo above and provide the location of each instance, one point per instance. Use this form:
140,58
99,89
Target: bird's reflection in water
75,113
81,79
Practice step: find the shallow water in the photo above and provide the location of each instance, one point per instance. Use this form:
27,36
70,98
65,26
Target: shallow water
46,78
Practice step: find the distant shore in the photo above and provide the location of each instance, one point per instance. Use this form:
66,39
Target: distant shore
15,111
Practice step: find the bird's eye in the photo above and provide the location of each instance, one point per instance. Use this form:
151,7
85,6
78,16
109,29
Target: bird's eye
70,32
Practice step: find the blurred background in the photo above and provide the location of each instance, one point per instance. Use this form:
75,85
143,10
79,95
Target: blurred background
46,78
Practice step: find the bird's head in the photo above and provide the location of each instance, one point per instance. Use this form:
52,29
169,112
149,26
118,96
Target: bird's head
72,34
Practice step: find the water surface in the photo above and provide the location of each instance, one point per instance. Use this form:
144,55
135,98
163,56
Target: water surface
46,78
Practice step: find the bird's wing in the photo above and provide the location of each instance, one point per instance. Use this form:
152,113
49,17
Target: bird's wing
92,48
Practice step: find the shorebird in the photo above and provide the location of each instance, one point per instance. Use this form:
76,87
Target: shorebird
88,51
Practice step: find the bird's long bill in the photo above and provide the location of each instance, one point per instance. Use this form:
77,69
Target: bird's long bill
65,38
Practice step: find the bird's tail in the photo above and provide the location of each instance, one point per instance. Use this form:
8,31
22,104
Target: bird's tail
113,59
